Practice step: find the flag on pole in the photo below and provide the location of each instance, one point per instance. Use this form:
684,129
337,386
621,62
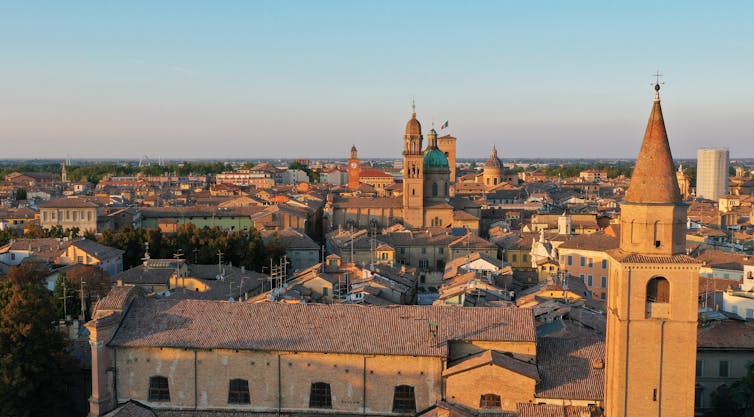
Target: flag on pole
444,125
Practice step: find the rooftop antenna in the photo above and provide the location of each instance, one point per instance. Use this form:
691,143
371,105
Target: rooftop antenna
177,256
219,262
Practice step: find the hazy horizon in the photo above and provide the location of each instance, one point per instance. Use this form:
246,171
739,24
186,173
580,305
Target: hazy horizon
188,80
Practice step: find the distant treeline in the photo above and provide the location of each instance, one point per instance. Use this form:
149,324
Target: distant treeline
573,170
95,172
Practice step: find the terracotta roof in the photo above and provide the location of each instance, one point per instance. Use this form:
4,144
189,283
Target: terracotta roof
368,202
493,357
725,260
726,334
395,330
565,366
68,202
98,250
551,410
636,258
594,242
374,173
117,299
653,179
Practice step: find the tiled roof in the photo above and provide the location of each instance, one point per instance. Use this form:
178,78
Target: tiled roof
131,409
368,202
395,330
726,334
551,410
635,258
100,251
565,366
493,357
118,298
68,202
594,242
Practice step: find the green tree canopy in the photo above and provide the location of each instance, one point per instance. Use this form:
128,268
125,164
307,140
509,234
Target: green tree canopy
34,365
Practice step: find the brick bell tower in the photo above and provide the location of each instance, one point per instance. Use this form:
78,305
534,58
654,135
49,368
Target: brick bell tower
354,169
413,173
653,291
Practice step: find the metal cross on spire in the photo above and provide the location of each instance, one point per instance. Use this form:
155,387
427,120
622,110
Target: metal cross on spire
413,105
657,82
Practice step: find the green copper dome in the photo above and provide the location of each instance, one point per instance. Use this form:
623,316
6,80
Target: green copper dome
435,158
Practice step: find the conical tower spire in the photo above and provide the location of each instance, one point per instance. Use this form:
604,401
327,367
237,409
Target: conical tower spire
653,179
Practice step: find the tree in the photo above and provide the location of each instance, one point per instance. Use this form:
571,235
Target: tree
20,194
736,400
96,285
34,366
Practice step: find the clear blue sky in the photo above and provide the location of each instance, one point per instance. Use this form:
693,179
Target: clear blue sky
310,78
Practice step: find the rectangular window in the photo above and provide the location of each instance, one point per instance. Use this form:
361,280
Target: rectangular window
583,278
604,264
699,367
424,250
489,401
75,215
589,282
441,250
238,392
325,291
723,368
44,215
570,260
604,282
159,389
750,313
602,296
320,396
68,214
591,263
734,310
404,400
89,215
514,257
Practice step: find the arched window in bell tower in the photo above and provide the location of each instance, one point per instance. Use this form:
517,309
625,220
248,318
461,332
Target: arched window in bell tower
434,189
446,189
658,290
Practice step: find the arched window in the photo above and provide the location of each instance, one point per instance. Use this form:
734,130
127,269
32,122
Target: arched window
159,389
320,396
489,401
238,392
658,290
446,189
434,189
495,181
413,191
404,400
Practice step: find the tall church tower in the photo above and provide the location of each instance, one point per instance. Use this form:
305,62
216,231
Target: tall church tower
652,302
413,173
354,169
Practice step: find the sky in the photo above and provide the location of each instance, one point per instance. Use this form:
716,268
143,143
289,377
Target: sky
308,79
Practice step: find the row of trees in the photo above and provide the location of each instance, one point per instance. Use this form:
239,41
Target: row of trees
197,245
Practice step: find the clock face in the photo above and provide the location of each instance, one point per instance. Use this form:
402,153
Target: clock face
353,165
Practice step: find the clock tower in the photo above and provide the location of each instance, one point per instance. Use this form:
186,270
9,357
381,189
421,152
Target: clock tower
354,169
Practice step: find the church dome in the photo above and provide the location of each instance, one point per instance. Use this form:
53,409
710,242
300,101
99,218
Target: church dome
413,127
493,162
435,158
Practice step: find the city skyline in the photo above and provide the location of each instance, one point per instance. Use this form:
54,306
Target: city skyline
248,80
